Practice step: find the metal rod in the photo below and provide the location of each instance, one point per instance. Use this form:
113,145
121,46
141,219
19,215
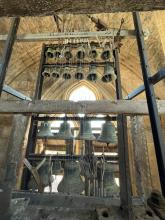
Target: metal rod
75,64
69,35
124,173
154,79
72,118
8,50
15,93
151,101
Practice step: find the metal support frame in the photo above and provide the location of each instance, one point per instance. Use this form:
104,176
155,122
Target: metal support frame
154,79
76,118
124,174
151,101
8,50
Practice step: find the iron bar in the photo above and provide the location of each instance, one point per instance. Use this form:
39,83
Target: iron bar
124,172
154,79
8,50
151,101
76,118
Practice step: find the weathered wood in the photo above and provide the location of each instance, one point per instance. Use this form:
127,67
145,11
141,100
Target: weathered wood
129,107
51,7
16,143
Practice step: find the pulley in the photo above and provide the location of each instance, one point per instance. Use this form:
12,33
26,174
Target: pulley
45,130
93,52
79,74
68,53
65,132
49,53
55,73
46,72
85,132
106,54
92,76
108,134
109,74
66,75
81,53
71,181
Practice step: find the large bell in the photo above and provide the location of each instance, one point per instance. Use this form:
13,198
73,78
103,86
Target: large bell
92,76
55,73
81,53
49,53
45,130
65,132
108,134
85,132
46,72
56,167
79,74
109,74
106,179
93,52
71,181
66,75
68,53
106,54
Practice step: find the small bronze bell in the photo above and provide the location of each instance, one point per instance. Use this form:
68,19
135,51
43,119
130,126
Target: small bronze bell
49,53
65,132
106,54
66,75
68,53
55,73
108,134
46,72
81,53
93,52
56,167
57,53
79,74
106,179
109,74
85,132
45,130
71,181
92,73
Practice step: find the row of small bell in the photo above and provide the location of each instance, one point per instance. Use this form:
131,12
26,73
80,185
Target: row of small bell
81,53
108,76
107,135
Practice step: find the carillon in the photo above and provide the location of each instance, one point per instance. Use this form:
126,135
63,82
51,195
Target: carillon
45,130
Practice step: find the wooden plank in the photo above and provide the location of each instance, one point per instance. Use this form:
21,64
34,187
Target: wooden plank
51,7
129,107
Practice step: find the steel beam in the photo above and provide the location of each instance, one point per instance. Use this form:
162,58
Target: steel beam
15,93
124,172
151,101
69,35
154,79
8,50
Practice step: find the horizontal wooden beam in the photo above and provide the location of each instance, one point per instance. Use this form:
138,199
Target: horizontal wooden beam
51,7
128,107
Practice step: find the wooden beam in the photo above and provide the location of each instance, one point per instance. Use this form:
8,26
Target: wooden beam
51,7
128,107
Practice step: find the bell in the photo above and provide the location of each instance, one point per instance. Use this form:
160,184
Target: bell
55,73
56,167
67,53
66,75
65,132
57,53
71,181
106,54
79,74
49,53
106,179
81,53
108,134
109,74
45,130
85,132
93,52
46,72
92,73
